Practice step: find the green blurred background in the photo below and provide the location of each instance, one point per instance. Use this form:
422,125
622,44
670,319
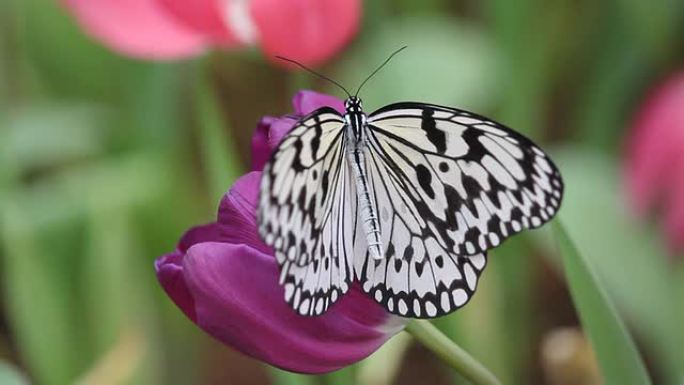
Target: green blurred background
105,161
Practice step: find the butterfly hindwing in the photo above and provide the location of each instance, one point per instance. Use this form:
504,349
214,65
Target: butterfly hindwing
472,182
306,211
418,276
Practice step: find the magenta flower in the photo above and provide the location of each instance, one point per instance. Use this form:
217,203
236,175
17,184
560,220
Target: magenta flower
225,279
655,157
310,31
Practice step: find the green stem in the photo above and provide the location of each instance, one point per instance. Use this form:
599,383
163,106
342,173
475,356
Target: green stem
282,377
450,353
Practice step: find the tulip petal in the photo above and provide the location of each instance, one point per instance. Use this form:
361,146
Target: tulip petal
170,271
238,300
674,221
306,102
138,28
237,213
269,132
204,16
655,146
309,31
210,232
655,155
170,275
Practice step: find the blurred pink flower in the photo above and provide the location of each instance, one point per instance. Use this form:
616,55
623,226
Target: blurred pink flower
225,279
655,157
310,31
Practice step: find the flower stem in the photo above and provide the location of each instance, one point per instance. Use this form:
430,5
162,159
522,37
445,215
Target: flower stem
450,353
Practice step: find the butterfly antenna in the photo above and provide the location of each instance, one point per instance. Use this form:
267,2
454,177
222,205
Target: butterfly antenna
315,73
378,69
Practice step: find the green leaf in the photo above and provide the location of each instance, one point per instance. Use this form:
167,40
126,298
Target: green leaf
46,135
110,184
616,353
115,316
630,258
37,295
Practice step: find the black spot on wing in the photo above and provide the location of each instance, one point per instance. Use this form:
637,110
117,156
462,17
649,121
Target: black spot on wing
454,202
443,167
408,253
425,180
390,250
324,185
316,141
301,200
419,268
296,161
291,240
397,265
471,186
436,136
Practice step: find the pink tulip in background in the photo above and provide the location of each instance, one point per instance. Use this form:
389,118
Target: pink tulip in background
225,279
655,157
310,31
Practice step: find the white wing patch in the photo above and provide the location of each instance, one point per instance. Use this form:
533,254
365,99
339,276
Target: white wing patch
472,181
306,212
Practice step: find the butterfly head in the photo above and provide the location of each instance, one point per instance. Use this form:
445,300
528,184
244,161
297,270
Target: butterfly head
353,104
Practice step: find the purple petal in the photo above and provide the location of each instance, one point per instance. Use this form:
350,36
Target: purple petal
238,300
306,102
269,132
261,150
170,271
236,219
170,275
198,234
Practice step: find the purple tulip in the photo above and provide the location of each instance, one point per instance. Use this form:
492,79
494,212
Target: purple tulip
225,279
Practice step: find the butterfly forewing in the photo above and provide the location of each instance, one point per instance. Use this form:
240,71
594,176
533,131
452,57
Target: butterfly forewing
470,182
307,212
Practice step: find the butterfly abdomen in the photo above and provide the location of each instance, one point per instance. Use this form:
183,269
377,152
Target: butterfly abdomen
367,211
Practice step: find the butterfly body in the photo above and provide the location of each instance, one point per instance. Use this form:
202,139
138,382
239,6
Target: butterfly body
406,201
355,132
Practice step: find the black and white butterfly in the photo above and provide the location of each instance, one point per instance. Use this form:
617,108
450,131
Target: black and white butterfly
406,200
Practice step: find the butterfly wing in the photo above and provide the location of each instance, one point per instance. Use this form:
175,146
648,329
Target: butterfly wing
306,212
448,185
473,182
419,276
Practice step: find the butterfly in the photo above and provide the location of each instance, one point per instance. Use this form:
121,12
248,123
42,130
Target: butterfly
406,201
